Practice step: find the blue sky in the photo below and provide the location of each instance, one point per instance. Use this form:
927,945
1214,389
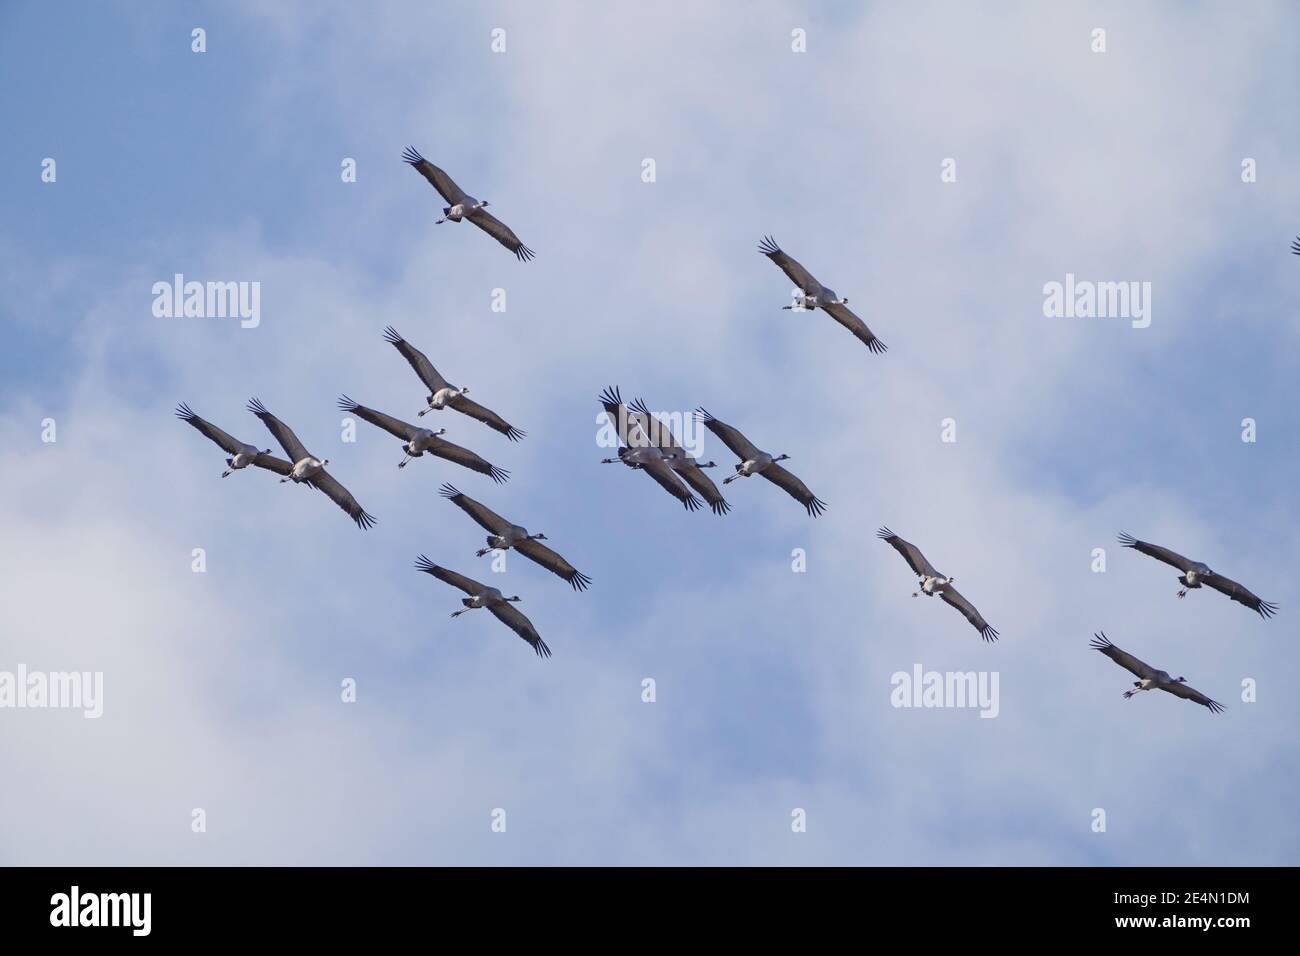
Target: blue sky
222,688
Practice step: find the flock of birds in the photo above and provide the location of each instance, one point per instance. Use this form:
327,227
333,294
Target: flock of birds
645,443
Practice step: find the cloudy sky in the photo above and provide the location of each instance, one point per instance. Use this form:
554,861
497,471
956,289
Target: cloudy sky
222,688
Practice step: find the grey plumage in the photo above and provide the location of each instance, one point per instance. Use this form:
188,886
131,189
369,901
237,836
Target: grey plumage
818,296
1149,678
932,582
473,210
1196,573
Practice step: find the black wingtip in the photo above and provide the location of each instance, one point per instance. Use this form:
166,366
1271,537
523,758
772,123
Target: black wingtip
346,404
515,434
1214,707
610,396
183,412
412,155
989,634
424,564
815,507
579,581
692,503
702,415
365,520
1266,609
391,335
884,534
257,408
878,347
499,475
768,246
1100,642
1127,540
1295,246
448,490
524,254
720,507
541,648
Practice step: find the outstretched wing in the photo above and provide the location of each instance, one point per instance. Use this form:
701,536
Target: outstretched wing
486,518
1179,689
663,473
513,618
282,432
488,417
952,596
326,482
536,551
697,479
630,432
1240,594
911,554
842,314
1100,642
423,367
659,433
388,423
209,430
1295,246
468,585
271,463
795,488
740,446
1155,551
499,231
463,456
436,177
797,273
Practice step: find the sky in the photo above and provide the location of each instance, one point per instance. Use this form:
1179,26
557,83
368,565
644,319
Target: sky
222,690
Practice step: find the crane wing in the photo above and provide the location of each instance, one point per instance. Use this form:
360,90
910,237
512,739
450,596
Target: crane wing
795,488
271,463
842,314
911,554
209,430
1100,642
952,596
797,273
513,618
630,432
388,423
702,483
663,473
468,585
1157,552
436,177
282,432
485,517
553,562
499,231
466,458
488,417
740,446
423,367
327,483
1240,594
1179,689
